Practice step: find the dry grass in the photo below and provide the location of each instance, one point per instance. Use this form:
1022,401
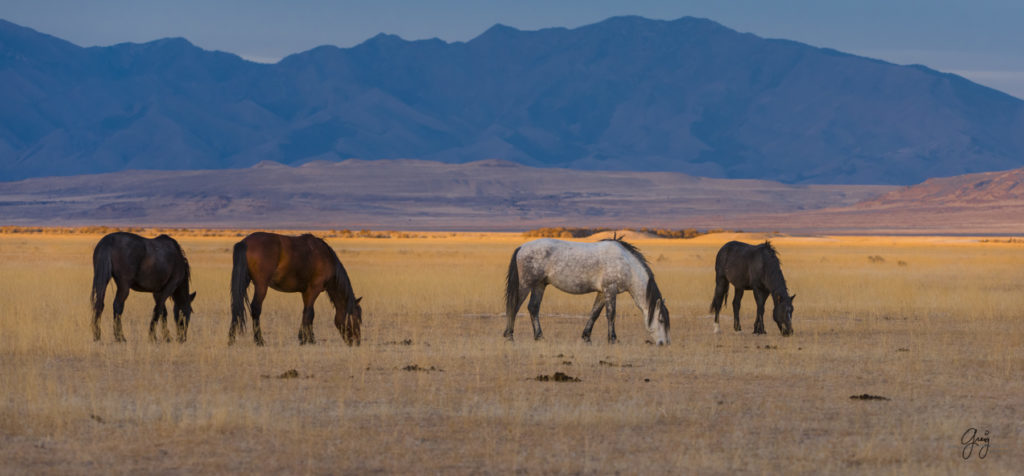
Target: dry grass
941,335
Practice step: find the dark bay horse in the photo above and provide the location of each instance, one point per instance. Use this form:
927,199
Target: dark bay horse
292,264
754,267
608,267
155,266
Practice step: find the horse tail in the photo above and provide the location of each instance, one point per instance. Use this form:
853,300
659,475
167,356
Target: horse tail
720,294
102,270
718,300
239,284
512,297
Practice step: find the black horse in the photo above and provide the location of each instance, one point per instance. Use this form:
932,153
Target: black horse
292,264
155,266
755,267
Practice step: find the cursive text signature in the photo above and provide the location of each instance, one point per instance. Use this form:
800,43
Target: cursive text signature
971,440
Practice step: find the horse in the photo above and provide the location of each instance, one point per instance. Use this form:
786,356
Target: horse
755,267
156,265
608,267
292,264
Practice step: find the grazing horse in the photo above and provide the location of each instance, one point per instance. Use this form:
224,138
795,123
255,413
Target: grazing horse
755,267
292,264
155,266
608,267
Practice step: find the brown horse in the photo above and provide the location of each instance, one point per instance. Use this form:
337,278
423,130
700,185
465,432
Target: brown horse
292,264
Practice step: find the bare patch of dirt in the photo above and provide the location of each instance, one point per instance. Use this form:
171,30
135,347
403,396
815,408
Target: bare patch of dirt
557,377
865,396
288,374
399,342
417,368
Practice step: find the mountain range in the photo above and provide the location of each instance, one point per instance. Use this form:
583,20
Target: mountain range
628,93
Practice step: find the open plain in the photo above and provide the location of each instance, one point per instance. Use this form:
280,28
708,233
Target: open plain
934,325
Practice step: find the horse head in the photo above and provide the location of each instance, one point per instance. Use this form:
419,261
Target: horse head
659,324
783,313
353,323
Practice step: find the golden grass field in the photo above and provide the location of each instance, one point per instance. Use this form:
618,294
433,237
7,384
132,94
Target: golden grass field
937,327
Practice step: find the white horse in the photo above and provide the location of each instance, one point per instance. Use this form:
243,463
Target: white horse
608,267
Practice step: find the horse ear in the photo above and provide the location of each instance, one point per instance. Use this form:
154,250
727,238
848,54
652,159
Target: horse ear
360,298
792,297
192,297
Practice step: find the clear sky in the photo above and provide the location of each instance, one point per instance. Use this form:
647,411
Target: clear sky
982,40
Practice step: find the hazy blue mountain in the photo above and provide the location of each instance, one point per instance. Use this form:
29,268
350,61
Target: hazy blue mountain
627,93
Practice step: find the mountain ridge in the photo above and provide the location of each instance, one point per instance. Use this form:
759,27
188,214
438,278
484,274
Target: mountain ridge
627,93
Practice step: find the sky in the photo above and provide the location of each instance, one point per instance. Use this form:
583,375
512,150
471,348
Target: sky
982,40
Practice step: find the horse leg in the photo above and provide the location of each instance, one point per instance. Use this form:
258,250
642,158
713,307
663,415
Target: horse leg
119,297
759,298
534,307
594,313
511,317
306,329
610,314
159,309
179,324
721,290
259,292
736,309
163,323
96,321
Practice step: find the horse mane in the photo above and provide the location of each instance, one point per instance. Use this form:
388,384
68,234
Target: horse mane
653,294
632,249
339,273
181,254
773,268
770,250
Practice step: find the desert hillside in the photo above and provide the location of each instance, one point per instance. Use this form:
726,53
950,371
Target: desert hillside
406,194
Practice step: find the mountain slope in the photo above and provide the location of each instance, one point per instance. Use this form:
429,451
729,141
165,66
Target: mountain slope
627,93
967,191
